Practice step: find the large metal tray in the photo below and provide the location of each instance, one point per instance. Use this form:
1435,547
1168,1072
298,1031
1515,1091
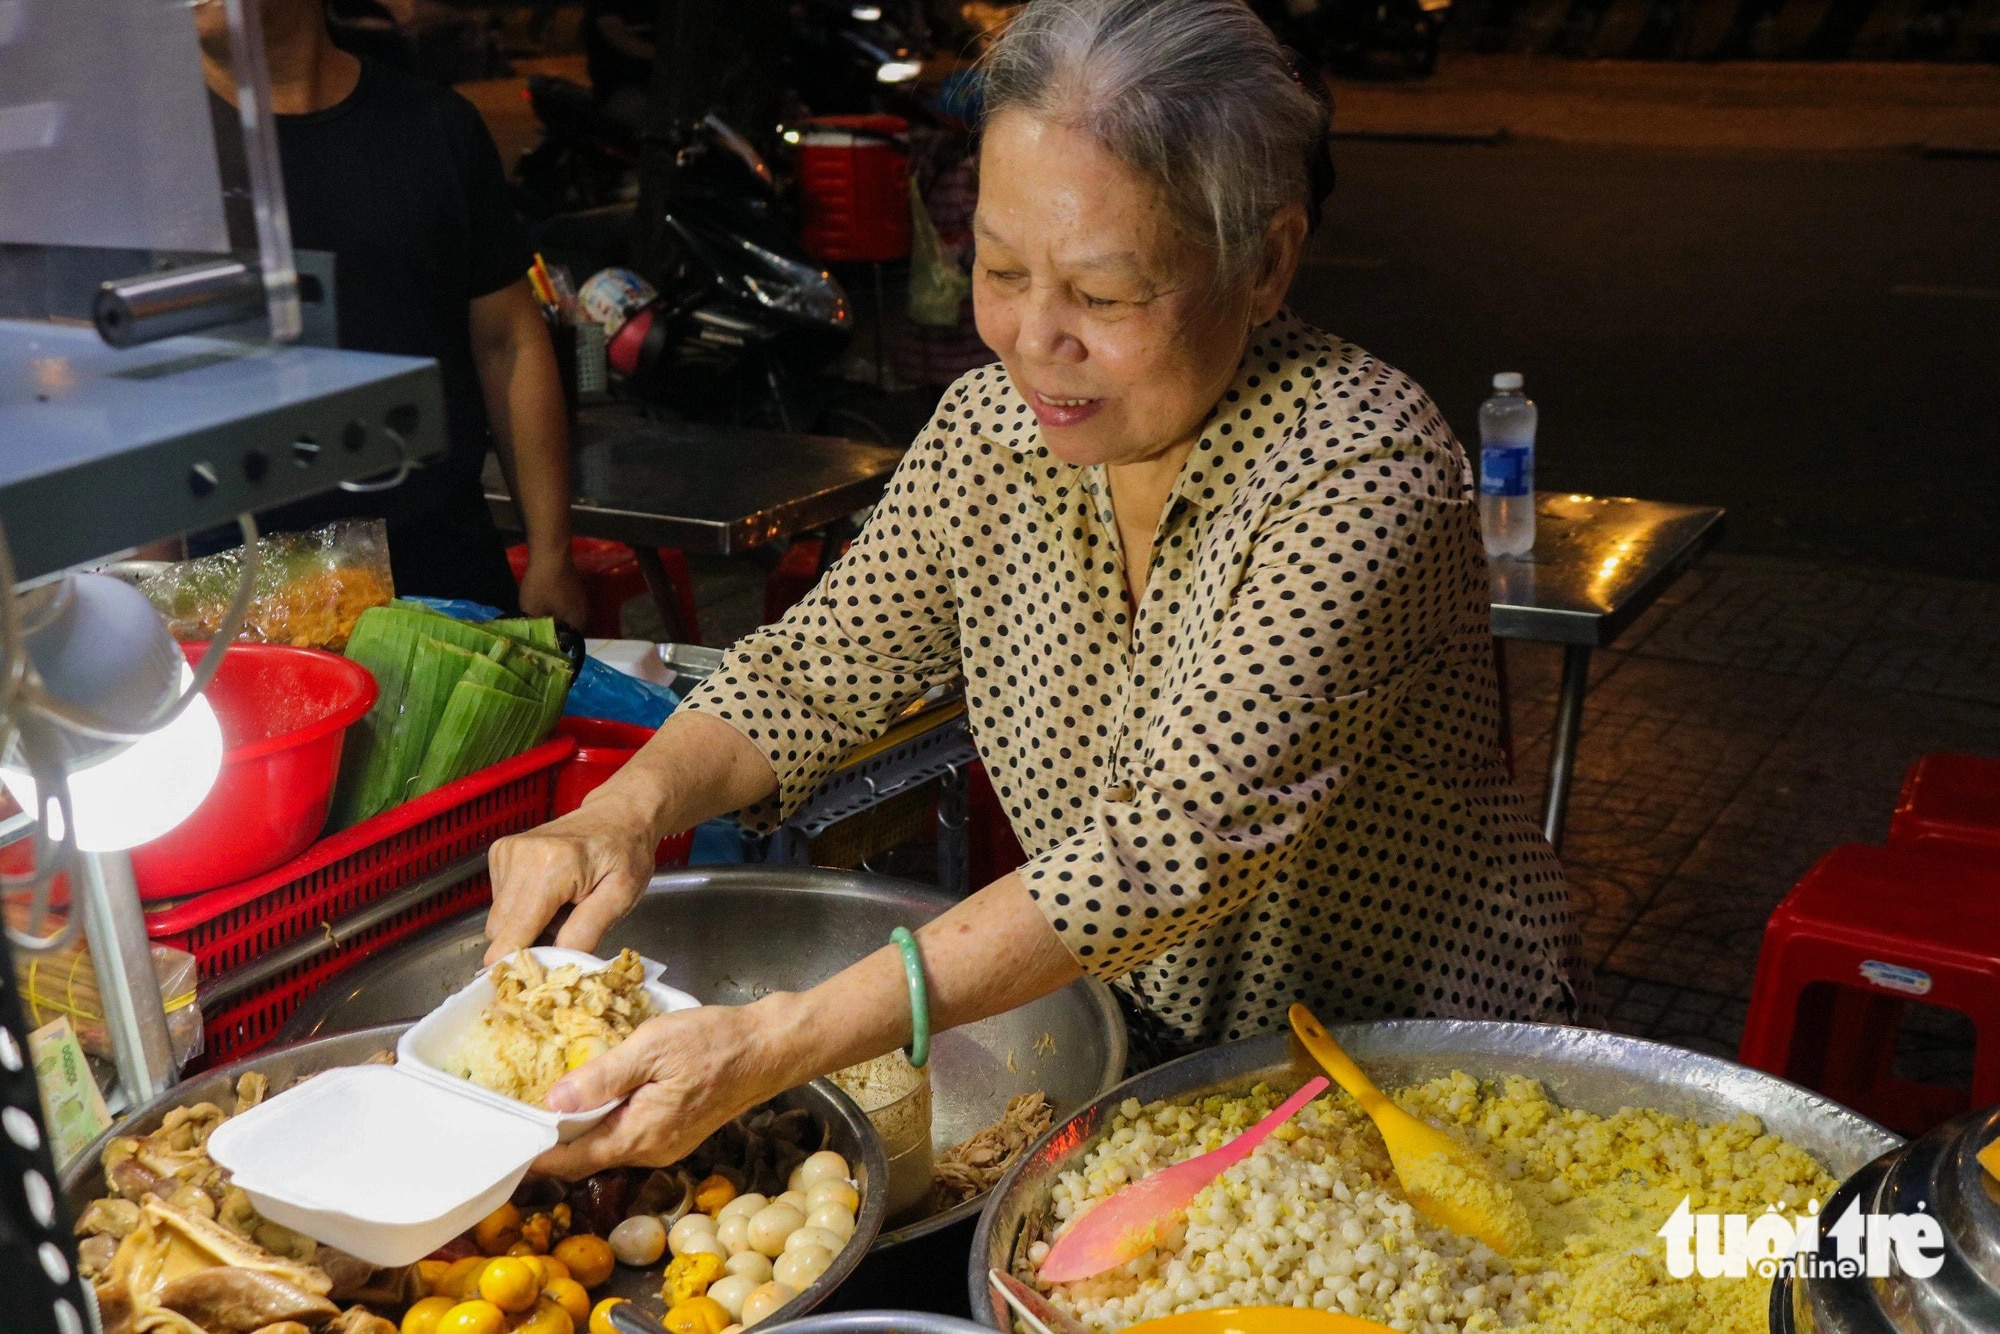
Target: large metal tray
728,934
1581,1067
851,1134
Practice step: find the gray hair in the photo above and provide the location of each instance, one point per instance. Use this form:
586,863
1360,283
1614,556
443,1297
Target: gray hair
1195,95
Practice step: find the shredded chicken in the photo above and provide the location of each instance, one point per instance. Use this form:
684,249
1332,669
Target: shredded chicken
543,1023
967,1171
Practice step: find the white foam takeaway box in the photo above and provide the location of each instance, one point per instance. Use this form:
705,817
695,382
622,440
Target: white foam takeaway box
390,1162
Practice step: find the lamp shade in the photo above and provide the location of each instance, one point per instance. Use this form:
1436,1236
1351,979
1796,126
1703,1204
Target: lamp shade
137,793
97,643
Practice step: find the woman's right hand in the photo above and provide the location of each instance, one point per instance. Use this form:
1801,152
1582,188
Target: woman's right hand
598,857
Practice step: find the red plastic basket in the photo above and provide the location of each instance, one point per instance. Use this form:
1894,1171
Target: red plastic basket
228,928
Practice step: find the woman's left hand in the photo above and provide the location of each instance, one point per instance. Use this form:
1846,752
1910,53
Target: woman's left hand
684,1075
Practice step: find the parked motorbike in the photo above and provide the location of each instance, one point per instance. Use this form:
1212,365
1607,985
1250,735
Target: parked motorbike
852,57
585,159
1362,38
744,320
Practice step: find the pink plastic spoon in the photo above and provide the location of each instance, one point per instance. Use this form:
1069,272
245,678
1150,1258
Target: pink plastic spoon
1126,1225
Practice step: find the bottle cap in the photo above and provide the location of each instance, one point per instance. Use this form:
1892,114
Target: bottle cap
1507,380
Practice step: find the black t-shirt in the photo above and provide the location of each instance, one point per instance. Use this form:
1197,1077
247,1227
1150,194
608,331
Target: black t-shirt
402,183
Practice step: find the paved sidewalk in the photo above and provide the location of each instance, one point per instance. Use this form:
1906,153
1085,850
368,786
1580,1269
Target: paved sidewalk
1747,104
1761,714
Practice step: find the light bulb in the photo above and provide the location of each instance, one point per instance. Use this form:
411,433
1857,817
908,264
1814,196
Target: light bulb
135,795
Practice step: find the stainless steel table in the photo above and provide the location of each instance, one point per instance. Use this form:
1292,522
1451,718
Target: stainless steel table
710,489
1598,563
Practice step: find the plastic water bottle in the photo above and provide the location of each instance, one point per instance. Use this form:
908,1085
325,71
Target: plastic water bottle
1507,468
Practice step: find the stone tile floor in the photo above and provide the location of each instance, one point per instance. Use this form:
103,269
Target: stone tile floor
1763,712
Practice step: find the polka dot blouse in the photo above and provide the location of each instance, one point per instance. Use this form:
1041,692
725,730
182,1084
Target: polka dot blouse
1283,780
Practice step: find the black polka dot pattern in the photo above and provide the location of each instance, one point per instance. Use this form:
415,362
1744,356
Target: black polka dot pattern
1282,780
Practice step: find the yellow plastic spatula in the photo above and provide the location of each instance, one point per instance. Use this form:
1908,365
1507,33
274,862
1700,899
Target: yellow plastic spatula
1989,1158
1259,1320
1447,1181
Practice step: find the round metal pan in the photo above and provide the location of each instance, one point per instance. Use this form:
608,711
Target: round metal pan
850,1132
1580,1067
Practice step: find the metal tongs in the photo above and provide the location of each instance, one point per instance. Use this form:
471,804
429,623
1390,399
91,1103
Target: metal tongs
1031,1306
630,1318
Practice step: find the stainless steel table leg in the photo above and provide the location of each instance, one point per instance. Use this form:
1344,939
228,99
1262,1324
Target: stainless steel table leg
1569,725
881,330
115,925
662,589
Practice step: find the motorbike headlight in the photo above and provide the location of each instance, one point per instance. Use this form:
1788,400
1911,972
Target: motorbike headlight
797,289
897,71
867,14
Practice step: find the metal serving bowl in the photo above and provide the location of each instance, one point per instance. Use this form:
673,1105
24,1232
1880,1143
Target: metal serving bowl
729,934
849,1131
1581,1067
1939,1174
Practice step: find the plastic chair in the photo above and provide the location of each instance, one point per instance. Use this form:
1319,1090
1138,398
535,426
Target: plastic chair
1949,802
1868,930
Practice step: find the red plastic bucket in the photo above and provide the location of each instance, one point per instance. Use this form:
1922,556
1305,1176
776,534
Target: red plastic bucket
602,747
854,188
284,712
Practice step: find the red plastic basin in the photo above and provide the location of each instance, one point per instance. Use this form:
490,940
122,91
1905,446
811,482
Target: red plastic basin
602,747
284,712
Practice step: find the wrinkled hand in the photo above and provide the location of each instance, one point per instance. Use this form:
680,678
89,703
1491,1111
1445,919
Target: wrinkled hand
686,1074
598,857
552,587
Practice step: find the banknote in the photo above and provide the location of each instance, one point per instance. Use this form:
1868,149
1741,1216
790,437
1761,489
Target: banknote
71,1102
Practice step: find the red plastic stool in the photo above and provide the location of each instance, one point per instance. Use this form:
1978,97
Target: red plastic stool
991,849
798,570
1866,931
1949,801
612,577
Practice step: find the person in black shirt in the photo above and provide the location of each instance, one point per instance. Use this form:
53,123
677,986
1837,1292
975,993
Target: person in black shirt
400,180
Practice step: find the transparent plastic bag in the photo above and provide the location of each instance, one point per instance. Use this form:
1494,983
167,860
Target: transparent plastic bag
937,286
311,587
64,983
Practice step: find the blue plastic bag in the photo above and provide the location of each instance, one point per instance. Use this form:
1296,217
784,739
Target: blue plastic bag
605,692
457,608
717,842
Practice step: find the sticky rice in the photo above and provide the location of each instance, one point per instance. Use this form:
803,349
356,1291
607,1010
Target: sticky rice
545,1022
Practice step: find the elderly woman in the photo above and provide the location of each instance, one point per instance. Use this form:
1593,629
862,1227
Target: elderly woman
1215,585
